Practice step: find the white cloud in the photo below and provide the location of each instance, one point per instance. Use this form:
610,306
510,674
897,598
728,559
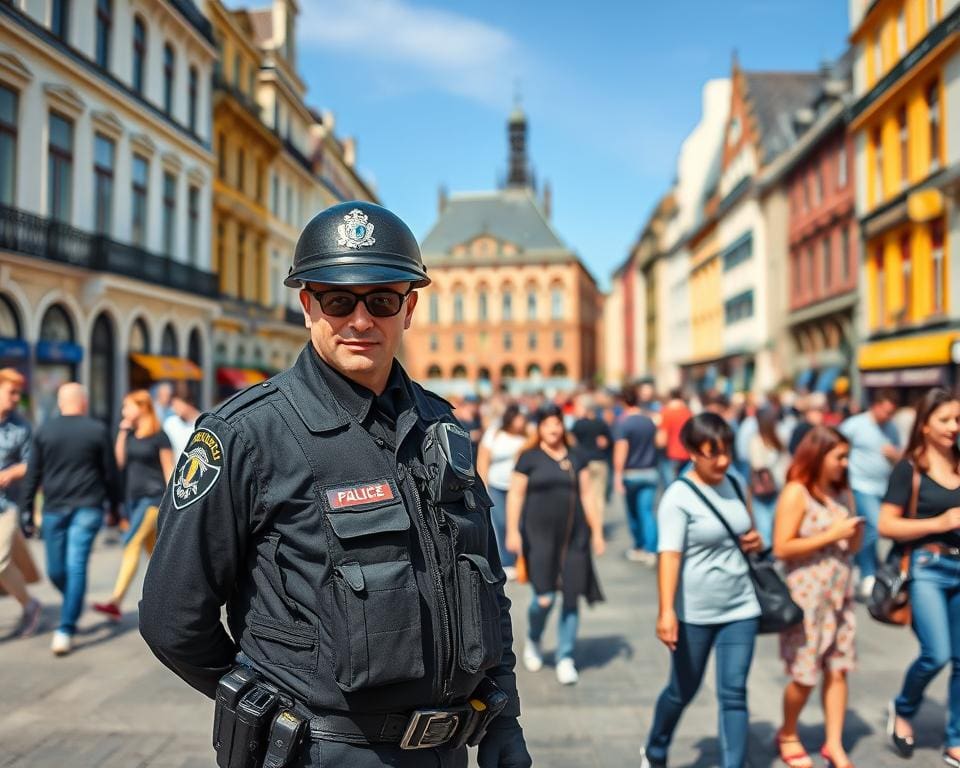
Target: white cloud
456,53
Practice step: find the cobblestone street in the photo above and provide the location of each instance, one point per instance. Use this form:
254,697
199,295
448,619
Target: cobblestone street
112,705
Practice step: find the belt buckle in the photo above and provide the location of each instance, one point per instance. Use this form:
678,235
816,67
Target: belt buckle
430,728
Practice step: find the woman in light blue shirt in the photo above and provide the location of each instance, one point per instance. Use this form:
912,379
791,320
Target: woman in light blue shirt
707,599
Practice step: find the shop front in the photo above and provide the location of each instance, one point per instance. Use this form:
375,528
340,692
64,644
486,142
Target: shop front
147,370
911,364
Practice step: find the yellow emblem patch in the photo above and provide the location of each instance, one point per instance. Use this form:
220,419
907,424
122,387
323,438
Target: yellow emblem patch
198,468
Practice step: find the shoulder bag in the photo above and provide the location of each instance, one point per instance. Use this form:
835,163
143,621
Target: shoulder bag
778,611
889,601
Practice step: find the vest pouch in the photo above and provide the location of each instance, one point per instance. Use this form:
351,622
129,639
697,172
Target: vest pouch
375,625
481,638
284,644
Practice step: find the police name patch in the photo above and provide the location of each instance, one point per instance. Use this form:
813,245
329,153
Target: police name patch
354,495
198,468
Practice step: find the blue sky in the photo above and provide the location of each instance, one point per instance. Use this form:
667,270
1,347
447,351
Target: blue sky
610,89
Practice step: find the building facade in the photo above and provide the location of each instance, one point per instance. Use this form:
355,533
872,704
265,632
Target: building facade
510,305
106,178
906,104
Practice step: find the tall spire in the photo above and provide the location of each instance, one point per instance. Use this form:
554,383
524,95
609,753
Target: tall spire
519,173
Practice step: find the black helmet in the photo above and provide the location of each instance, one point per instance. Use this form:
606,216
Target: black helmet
357,243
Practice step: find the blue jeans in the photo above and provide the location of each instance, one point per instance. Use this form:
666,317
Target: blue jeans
68,535
868,506
640,498
734,643
566,630
669,470
935,599
498,516
763,512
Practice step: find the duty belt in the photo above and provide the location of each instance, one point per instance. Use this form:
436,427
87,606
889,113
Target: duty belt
420,729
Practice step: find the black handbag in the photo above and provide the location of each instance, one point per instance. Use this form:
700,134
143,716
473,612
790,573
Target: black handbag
889,600
778,611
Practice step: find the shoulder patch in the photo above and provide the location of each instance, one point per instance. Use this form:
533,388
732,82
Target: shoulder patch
198,469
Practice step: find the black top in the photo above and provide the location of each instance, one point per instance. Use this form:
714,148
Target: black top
375,413
72,458
588,433
144,473
556,536
933,500
640,433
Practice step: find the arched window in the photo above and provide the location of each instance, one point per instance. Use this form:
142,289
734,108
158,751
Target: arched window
458,305
534,371
508,372
168,341
139,53
434,309
482,310
483,374
459,372
9,321
507,312
102,353
556,303
559,371
434,372
139,337
56,325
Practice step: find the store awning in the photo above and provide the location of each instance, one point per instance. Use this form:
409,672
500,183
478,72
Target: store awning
239,378
910,351
164,368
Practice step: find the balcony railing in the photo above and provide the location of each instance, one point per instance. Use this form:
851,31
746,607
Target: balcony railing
44,238
221,83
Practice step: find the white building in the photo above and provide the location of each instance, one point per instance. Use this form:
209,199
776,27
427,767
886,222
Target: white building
105,187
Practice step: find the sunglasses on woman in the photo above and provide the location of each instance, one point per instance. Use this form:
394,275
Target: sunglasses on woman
341,303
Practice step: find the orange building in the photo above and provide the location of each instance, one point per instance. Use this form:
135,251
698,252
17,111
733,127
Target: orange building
510,304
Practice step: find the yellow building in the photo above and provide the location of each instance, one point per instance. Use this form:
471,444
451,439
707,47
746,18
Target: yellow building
706,296
907,77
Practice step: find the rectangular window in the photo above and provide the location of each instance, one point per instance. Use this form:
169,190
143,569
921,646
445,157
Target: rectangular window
740,251
139,53
274,194
482,307
507,341
556,303
933,116
877,167
169,213
258,181
458,307
906,271
458,342
9,102
104,25
241,168
507,306
192,101
904,134
103,162
845,255
827,263
60,18
193,225
939,277
434,342
222,157
558,339
738,308
842,166
531,305
60,168
532,340
434,309
169,62
138,207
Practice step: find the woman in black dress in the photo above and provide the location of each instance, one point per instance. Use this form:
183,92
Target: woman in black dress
550,518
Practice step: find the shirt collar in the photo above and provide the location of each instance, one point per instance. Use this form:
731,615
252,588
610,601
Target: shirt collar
354,398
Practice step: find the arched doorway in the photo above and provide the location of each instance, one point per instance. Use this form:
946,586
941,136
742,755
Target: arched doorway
195,355
102,366
434,372
58,355
168,342
140,337
14,350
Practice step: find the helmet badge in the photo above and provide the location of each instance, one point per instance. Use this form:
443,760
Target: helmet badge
356,231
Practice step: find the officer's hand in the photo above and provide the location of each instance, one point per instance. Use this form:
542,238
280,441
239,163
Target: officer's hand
504,746
26,523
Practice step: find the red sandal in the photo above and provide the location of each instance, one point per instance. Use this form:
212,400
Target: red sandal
796,760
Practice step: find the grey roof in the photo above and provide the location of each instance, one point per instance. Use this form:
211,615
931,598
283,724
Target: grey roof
508,215
774,98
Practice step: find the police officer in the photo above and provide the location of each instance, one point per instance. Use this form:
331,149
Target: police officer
309,505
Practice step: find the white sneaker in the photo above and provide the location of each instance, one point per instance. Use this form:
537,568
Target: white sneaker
532,658
866,586
567,672
62,643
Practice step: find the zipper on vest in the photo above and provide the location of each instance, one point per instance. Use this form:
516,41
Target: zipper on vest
427,547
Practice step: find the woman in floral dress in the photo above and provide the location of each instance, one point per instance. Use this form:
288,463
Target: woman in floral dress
816,535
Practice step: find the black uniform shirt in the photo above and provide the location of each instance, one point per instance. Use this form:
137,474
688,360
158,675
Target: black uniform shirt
376,413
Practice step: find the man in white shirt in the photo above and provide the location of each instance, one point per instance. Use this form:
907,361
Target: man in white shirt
180,423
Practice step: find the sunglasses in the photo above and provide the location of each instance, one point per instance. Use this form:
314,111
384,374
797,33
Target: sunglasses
341,303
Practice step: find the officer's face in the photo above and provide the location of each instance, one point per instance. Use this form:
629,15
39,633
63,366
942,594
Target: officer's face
359,345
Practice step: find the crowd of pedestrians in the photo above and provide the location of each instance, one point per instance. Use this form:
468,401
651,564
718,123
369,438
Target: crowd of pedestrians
708,482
